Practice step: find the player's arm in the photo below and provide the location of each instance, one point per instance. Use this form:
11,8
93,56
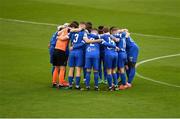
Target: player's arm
114,38
109,45
78,46
91,41
61,36
75,29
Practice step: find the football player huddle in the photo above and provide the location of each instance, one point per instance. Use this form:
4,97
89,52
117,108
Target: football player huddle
110,53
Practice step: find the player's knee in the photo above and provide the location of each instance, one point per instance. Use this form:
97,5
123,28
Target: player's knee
109,71
121,70
88,70
95,71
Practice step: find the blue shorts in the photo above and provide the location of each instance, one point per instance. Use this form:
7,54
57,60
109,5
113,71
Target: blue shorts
76,59
132,54
111,59
122,59
92,62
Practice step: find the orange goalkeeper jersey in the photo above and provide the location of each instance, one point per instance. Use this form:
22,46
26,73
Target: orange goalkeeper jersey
62,44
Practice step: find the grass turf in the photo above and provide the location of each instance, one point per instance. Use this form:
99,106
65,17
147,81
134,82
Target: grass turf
25,70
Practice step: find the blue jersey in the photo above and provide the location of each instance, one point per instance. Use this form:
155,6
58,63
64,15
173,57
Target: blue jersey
92,49
122,41
130,43
107,38
132,50
77,38
53,40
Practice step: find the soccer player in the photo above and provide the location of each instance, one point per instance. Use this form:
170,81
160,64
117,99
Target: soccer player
101,60
92,59
60,58
111,57
52,45
132,50
76,56
122,56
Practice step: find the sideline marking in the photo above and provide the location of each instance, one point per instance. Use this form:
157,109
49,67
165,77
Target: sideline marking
150,79
50,24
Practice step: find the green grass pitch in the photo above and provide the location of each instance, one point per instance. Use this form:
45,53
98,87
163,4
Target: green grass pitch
25,76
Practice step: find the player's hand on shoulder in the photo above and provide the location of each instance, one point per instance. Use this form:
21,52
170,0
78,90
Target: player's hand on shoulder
117,48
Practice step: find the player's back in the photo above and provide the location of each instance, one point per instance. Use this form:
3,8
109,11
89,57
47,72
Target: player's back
77,38
130,43
92,49
62,44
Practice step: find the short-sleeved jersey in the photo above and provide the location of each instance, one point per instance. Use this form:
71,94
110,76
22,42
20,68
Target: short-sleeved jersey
122,41
62,44
77,38
53,40
92,49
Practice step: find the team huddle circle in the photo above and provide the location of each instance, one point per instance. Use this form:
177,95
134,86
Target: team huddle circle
109,53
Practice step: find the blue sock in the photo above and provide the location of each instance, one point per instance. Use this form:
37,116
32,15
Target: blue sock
123,78
52,70
88,79
70,79
109,79
77,81
96,79
115,78
84,72
131,74
105,75
117,75
127,72
100,73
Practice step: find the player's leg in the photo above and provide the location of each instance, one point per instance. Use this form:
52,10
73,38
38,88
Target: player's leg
78,77
95,69
108,60
100,71
121,70
88,65
56,70
104,71
70,76
63,63
114,72
71,63
79,60
132,62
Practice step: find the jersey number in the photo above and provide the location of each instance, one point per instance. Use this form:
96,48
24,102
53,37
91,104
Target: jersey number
76,38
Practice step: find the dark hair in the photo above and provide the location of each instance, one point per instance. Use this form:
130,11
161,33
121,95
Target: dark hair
100,29
112,29
105,29
88,26
74,24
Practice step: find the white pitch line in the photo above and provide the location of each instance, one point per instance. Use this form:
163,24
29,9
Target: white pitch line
28,22
150,79
50,24
156,36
